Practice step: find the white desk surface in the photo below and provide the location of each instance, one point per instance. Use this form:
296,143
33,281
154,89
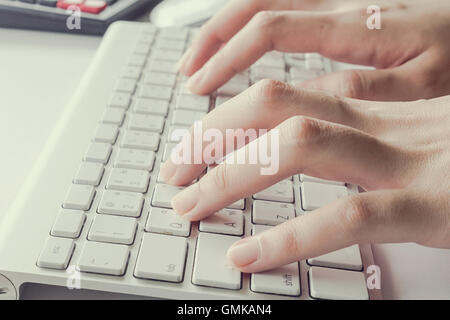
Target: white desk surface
38,73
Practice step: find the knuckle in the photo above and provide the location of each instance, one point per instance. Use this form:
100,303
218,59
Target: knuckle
357,215
269,92
352,84
299,131
426,80
291,238
265,20
220,178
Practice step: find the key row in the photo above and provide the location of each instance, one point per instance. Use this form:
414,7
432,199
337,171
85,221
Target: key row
276,208
210,266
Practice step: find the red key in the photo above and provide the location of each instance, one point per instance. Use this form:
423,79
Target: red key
93,6
65,4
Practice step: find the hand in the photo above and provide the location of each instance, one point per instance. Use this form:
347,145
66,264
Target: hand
411,51
398,151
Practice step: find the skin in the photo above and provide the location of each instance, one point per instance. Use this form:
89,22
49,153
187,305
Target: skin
410,51
398,151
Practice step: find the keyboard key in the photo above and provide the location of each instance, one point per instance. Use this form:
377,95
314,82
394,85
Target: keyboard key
113,116
168,150
174,33
347,258
48,3
106,133
193,102
259,73
146,38
303,74
238,205
170,44
225,221
282,191
93,6
113,229
126,85
140,140
168,55
283,280
89,173
104,258
56,253
63,4
305,178
232,88
162,66
160,78
142,48
272,213
314,64
186,118
257,228
210,265
163,195
151,106
136,60
166,221
270,62
312,56
98,152
221,100
68,224
128,180
154,91
316,195
337,284
121,203
120,100
135,159
79,197
131,72
157,264
146,122
176,133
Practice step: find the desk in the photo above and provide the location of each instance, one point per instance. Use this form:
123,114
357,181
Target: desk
38,73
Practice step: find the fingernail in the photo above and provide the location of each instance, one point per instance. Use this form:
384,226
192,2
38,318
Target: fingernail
186,200
244,252
195,79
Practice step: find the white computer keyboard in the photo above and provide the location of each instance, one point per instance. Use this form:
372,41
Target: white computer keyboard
116,223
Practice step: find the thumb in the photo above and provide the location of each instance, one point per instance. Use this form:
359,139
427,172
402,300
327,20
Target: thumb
380,85
373,217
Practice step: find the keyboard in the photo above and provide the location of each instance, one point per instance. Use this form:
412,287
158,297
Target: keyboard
100,212
72,16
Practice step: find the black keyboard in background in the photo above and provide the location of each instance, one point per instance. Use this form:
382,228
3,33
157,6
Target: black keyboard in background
55,15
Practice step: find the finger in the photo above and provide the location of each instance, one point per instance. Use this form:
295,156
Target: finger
299,144
223,26
263,106
396,84
375,217
220,29
288,31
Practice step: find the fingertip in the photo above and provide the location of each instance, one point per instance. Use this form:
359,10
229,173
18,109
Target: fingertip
243,253
185,201
194,82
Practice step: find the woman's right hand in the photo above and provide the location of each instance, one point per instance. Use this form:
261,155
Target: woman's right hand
411,50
